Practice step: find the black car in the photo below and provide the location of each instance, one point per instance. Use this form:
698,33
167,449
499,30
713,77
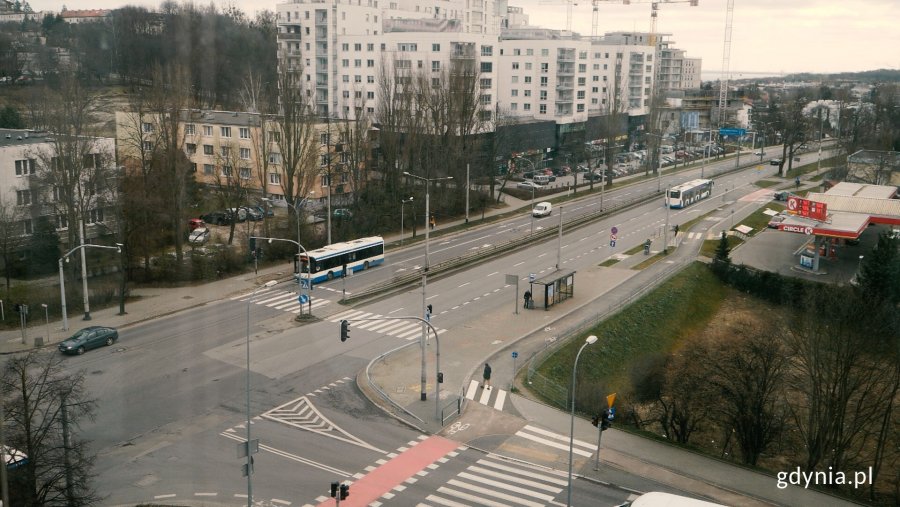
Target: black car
775,161
218,218
89,338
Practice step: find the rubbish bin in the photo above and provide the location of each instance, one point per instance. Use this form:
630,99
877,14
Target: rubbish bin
39,342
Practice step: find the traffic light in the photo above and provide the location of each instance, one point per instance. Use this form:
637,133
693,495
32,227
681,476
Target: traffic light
334,489
595,421
605,420
345,330
345,491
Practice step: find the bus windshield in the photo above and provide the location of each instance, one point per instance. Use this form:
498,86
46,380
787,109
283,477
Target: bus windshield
675,194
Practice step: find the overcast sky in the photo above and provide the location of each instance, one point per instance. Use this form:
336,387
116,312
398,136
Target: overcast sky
768,36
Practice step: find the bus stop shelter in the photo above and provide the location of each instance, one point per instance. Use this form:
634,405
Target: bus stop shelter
557,286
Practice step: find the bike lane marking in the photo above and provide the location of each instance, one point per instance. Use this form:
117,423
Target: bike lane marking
395,471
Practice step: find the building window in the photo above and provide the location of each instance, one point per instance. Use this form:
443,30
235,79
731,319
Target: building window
405,46
370,95
527,65
435,82
345,47
225,131
62,222
357,63
545,52
274,158
543,95
147,128
515,65
224,151
148,146
370,63
245,173
582,81
23,197
275,136
514,93
191,148
487,50
517,52
514,79
95,216
208,169
275,178
582,67
527,79
486,99
487,67
244,132
345,63
207,130
486,83
27,227
207,149
526,106
226,171
435,47
542,109
545,67
189,129
357,47
245,153
324,138
514,107
528,93
24,167
435,66
580,108
357,79
370,47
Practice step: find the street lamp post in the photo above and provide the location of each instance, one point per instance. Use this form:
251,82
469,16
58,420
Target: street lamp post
589,341
62,281
300,249
402,202
47,320
248,449
532,190
423,395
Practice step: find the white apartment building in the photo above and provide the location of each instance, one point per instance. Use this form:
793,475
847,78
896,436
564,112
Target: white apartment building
528,72
24,199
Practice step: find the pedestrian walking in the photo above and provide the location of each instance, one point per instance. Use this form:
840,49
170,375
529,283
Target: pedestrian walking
527,298
797,181
431,222
486,376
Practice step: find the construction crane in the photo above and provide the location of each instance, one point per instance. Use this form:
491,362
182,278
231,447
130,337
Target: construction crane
569,5
654,14
726,56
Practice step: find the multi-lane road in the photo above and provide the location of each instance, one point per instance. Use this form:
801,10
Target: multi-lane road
173,399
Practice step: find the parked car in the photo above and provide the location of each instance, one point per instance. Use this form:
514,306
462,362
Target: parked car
89,338
195,223
776,221
775,161
240,214
542,209
781,196
199,236
341,214
542,179
217,218
528,185
266,212
252,213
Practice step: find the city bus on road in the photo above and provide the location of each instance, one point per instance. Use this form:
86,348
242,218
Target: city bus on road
658,499
329,262
684,195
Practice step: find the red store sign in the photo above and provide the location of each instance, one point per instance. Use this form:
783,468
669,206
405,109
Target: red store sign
806,208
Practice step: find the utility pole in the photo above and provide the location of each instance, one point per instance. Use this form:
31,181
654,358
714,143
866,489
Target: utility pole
666,228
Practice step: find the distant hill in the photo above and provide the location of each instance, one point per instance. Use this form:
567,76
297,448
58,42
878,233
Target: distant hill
871,76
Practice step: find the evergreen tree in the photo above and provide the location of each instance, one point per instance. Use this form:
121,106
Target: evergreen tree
10,118
723,250
879,271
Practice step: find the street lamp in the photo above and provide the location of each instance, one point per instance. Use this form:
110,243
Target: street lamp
62,282
402,202
47,320
300,249
425,314
590,341
532,190
248,443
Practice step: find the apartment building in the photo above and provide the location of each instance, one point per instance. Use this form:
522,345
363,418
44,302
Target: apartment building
26,196
227,144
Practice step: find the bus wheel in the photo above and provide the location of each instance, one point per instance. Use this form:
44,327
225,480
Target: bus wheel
330,275
365,265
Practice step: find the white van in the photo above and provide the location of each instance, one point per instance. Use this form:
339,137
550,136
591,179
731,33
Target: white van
541,179
542,209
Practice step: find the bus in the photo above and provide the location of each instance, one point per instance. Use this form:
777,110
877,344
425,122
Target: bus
657,499
684,195
329,262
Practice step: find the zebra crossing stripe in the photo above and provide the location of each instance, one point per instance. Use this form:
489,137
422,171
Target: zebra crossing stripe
345,315
382,324
557,436
405,332
473,388
519,480
392,326
542,475
472,498
493,493
442,501
485,395
501,398
248,295
553,443
503,485
367,324
269,298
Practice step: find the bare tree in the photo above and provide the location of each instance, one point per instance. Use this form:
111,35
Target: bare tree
232,184
682,402
44,406
11,239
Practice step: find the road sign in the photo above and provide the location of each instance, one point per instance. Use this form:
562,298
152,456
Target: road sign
613,237
531,277
303,299
732,132
304,283
612,243
610,400
515,354
614,230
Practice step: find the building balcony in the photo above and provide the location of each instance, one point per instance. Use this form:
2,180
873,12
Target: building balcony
289,36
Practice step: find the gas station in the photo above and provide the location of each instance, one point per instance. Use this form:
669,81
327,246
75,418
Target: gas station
839,215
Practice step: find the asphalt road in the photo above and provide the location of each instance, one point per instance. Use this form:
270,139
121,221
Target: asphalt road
172,393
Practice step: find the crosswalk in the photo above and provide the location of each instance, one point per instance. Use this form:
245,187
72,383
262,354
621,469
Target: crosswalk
494,482
691,236
556,441
484,397
382,324
281,300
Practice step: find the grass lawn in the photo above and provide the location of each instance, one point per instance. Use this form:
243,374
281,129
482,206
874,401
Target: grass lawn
609,262
709,246
651,261
767,183
656,323
634,250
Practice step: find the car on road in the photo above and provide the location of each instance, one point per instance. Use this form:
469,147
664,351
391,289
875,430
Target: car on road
776,221
89,338
217,218
781,196
199,236
252,213
341,214
542,209
528,185
775,161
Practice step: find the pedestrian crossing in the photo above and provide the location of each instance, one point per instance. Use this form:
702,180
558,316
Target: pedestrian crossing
691,236
382,324
484,397
493,481
281,300
556,441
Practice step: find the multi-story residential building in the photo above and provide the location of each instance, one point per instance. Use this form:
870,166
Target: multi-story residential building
27,194
224,144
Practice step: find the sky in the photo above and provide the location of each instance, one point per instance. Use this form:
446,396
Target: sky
768,36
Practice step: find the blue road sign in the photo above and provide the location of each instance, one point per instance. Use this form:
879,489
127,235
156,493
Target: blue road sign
303,299
612,243
304,283
515,354
612,412
732,132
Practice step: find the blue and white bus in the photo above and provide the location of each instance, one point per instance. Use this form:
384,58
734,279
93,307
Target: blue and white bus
684,195
328,262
